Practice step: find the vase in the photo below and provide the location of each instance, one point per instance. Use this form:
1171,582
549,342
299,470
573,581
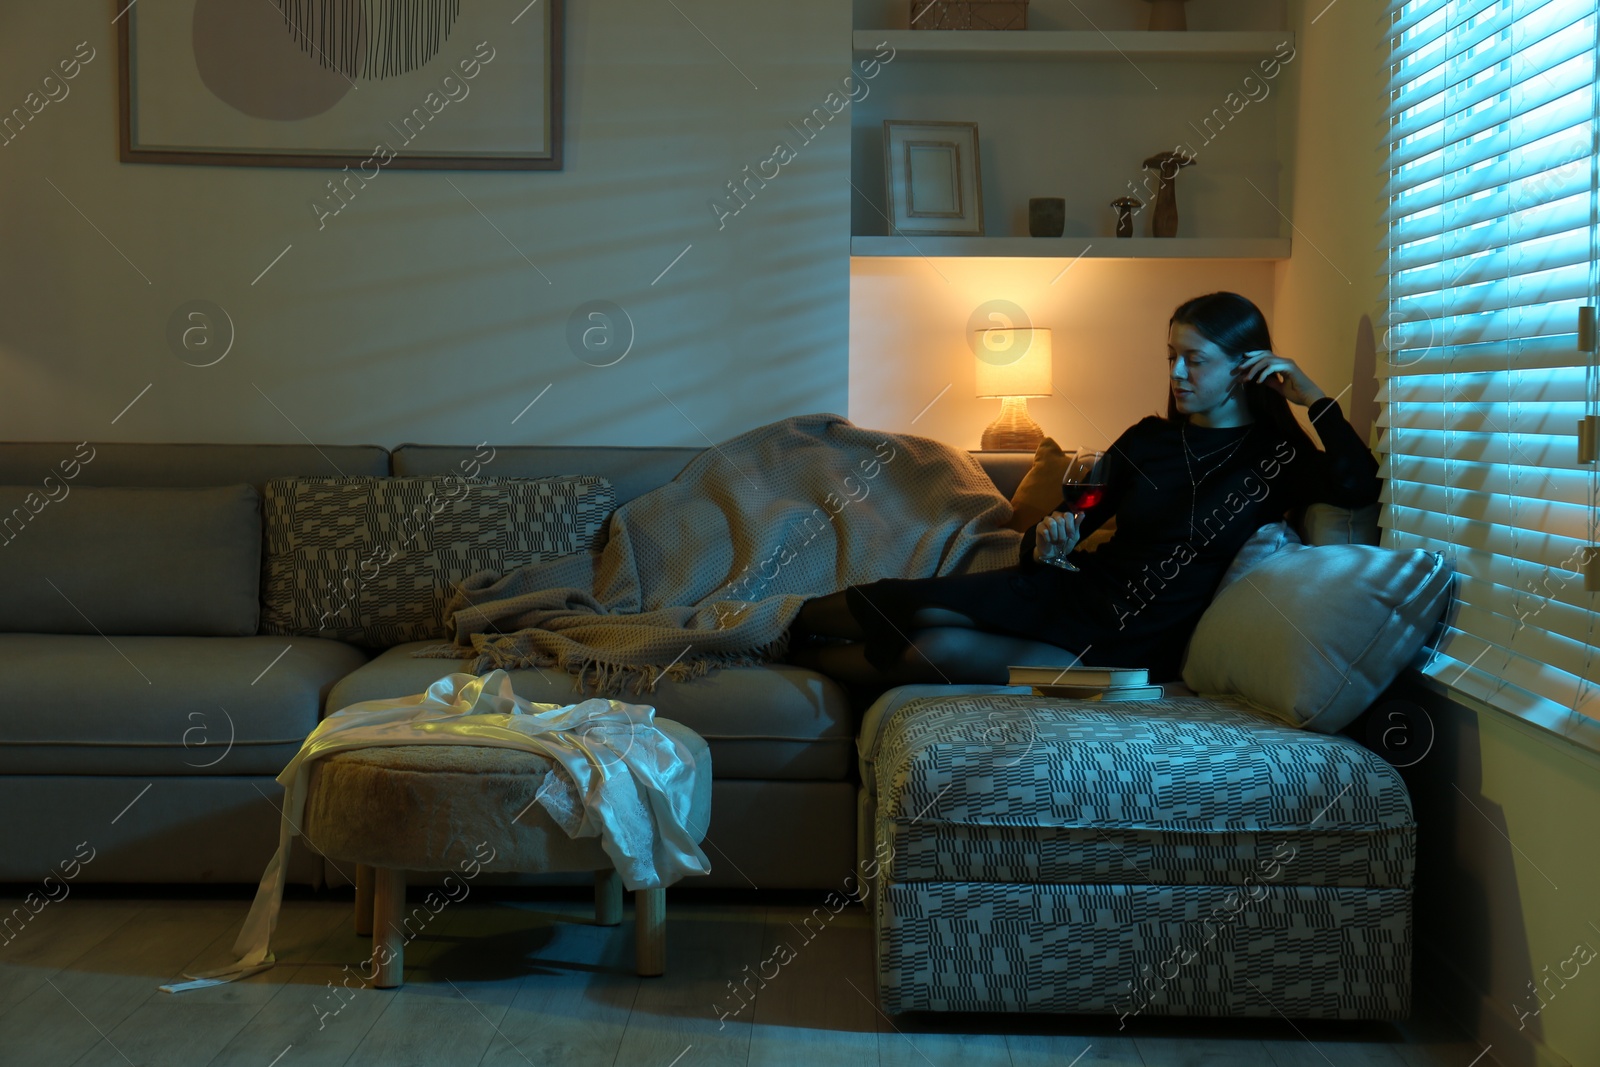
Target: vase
1047,216
1164,219
1126,206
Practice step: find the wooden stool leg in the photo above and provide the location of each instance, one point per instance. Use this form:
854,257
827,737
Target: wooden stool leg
650,932
607,897
363,900
388,936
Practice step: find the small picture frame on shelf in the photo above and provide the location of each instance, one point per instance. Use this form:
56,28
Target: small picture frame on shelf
935,185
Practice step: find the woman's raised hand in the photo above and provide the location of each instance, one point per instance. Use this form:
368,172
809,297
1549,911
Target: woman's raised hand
1056,535
1281,374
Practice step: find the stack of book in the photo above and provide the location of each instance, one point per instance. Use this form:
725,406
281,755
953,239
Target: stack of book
1088,683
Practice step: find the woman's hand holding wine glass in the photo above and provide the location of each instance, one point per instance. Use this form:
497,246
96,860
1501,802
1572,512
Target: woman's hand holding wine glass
1055,537
1058,534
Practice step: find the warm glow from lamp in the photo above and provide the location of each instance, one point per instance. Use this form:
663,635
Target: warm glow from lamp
1013,363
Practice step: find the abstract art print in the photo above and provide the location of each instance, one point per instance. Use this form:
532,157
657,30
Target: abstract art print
410,84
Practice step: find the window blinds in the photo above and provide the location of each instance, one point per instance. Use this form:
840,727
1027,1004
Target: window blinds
1492,249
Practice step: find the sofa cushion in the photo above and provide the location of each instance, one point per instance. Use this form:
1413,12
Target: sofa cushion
1313,635
1009,787
173,562
774,722
373,561
162,705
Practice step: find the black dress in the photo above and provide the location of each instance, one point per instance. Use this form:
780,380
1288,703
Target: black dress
1181,518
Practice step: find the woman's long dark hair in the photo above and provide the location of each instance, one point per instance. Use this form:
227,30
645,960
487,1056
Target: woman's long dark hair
1234,324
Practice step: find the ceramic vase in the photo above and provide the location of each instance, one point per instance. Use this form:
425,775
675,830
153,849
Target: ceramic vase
1047,216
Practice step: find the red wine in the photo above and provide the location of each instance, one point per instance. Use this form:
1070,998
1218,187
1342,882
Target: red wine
1081,496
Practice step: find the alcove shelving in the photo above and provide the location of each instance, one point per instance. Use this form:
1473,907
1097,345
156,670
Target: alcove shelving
1073,113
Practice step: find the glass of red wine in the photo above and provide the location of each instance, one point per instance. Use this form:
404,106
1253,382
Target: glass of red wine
1080,491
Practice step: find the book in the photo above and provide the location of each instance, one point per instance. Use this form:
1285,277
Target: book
1094,677
1106,693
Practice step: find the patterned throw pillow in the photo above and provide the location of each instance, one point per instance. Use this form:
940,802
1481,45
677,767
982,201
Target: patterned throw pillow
372,561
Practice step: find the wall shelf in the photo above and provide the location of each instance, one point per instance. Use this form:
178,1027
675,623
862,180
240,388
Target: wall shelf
1193,45
1071,247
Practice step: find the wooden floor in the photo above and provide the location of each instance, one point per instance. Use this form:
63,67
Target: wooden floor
507,982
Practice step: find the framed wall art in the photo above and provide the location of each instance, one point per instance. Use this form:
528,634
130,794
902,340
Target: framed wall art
413,84
935,183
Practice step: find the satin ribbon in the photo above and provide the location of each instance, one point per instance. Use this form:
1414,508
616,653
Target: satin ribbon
634,783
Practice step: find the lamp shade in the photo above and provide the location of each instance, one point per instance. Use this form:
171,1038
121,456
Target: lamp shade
1014,361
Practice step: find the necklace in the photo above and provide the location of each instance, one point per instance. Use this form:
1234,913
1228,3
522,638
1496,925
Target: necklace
1194,483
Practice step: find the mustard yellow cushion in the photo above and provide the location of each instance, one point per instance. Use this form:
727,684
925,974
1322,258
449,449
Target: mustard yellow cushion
1040,489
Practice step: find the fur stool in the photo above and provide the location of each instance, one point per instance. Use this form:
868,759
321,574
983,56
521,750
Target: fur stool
467,809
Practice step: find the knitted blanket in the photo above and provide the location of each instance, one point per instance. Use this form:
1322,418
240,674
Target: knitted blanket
709,570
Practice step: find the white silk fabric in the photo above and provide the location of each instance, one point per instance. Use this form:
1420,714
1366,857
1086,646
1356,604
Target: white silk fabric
626,781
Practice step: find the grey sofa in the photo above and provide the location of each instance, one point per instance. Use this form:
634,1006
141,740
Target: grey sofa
155,737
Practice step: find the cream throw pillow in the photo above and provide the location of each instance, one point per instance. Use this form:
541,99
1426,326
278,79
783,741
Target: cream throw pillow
1313,635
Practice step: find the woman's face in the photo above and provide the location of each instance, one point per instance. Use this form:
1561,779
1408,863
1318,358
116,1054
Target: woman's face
1202,376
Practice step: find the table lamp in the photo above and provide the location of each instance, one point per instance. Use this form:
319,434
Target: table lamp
1013,364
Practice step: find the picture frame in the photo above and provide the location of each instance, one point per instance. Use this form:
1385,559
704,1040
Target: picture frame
443,84
934,178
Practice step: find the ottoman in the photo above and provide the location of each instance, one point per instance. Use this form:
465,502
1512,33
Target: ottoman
466,809
1187,856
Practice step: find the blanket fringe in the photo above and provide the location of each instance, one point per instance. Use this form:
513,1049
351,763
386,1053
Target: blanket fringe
599,677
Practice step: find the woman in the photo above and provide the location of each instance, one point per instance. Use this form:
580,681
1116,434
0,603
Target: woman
1187,491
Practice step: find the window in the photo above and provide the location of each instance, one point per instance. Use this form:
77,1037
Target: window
1492,255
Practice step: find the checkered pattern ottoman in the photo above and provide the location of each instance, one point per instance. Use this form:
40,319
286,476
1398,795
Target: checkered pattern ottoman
1177,857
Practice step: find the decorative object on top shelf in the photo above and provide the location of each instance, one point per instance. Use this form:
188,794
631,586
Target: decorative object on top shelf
934,182
1164,220
1047,216
1167,15
1014,363
1126,206
969,14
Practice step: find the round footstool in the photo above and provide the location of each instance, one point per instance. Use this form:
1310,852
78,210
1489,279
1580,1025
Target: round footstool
467,809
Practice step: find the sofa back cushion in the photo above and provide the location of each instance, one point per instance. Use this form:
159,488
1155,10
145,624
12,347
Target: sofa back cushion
1330,524
1313,635
631,471
178,466
80,559
372,561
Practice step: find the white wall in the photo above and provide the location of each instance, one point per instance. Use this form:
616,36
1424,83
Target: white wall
409,318
1330,292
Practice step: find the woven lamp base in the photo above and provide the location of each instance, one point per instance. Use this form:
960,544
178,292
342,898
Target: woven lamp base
1014,430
